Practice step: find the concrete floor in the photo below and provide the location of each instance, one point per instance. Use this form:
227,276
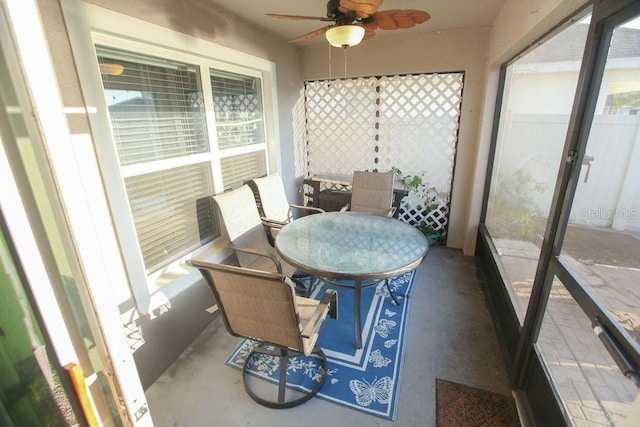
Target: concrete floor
450,335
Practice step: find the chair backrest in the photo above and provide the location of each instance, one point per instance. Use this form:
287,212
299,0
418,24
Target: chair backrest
239,213
255,304
272,199
372,192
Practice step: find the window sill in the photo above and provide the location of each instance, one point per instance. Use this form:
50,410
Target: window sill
180,277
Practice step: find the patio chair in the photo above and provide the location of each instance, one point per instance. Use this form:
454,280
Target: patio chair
372,192
274,208
262,306
248,239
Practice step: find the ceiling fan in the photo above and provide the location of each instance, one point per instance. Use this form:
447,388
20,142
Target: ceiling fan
350,17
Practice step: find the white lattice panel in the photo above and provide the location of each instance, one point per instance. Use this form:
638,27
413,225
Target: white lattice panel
299,138
376,123
438,218
420,125
341,125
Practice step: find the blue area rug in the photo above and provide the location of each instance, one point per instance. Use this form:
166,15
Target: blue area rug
366,379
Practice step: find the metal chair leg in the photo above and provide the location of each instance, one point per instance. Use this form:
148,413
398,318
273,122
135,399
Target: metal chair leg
393,297
283,355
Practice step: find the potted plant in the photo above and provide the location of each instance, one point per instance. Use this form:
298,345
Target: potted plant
424,199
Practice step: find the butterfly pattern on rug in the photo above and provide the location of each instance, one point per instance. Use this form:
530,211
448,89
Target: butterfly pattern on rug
379,390
384,327
390,343
378,359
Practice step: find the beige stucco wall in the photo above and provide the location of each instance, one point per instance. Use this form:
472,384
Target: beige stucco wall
522,22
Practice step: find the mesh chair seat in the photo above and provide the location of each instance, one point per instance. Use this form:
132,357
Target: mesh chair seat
262,306
266,264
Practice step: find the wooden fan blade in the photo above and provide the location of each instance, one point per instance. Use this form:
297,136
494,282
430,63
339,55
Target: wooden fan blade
368,33
362,8
395,19
311,35
299,17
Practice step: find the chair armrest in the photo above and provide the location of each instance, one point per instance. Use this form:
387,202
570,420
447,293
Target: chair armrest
308,208
272,223
328,304
346,208
252,251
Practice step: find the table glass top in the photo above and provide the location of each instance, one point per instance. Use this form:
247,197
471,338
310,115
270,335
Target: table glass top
351,244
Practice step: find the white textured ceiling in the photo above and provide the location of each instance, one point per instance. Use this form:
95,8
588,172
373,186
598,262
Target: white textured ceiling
445,14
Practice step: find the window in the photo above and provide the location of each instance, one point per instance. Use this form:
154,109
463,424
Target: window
238,107
239,125
169,159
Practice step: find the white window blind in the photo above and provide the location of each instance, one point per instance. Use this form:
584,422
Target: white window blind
155,105
237,101
172,211
237,170
158,121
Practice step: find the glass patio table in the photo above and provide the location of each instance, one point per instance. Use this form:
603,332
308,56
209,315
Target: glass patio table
358,248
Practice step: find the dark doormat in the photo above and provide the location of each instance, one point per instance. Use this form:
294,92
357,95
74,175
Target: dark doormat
459,405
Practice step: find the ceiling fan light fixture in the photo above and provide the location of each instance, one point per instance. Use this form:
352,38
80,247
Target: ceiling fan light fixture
345,35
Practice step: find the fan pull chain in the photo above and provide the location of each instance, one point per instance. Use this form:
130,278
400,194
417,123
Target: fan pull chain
345,62
329,84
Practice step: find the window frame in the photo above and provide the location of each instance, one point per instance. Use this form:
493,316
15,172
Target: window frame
155,290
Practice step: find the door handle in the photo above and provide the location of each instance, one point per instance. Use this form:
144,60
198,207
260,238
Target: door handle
586,160
625,364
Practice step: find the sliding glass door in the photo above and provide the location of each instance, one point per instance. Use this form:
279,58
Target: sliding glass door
561,225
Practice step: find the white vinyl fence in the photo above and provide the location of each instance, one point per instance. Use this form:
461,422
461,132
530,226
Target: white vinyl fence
608,193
